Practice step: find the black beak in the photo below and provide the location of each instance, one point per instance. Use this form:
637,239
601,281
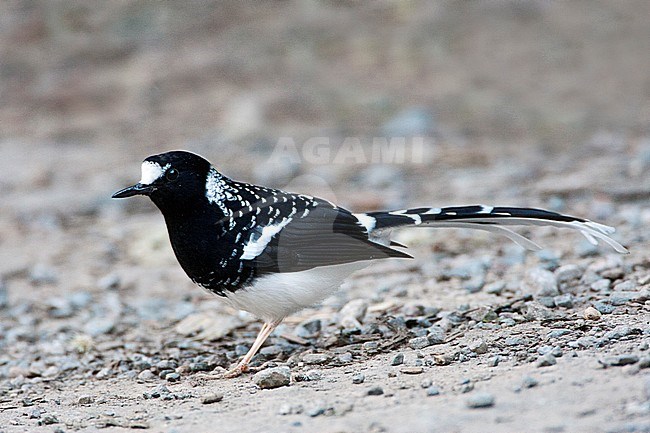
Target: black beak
137,189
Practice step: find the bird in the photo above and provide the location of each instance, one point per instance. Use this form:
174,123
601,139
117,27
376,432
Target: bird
272,253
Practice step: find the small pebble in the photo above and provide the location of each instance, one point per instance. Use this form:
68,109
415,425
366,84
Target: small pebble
358,378
567,274
479,400
173,377
86,399
398,359
371,346
644,362
529,382
603,307
48,419
601,285
377,390
541,282
591,313
618,332
620,360
478,346
272,377
564,301
419,343
212,398
546,360
146,375
316,358
433,390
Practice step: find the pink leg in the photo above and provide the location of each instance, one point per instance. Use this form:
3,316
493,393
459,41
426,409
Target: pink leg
242,367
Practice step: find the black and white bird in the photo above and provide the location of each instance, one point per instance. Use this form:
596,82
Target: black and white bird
272,253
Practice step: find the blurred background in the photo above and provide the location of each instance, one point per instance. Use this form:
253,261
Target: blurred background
507,92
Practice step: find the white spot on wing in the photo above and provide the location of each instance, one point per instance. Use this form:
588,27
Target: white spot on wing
255,247
486,209
365,220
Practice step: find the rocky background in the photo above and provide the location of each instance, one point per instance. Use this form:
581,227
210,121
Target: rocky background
535,103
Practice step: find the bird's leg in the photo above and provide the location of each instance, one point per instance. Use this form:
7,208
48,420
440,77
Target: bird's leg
264,333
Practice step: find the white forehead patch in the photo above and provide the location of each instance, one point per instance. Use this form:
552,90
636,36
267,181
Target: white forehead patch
151,171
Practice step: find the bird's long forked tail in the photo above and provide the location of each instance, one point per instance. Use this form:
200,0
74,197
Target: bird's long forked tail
493,219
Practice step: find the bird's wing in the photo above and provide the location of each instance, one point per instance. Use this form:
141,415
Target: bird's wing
319,234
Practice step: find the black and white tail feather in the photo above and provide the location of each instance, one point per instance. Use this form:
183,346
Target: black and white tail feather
488,218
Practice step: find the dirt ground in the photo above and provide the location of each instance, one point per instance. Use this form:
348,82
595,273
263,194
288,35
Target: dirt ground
529,103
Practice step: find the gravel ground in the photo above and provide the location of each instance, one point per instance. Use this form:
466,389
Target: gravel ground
99,327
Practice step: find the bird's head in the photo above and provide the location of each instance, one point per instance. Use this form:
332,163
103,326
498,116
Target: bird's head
172,178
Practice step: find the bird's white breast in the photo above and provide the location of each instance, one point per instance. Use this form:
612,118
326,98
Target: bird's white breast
273,297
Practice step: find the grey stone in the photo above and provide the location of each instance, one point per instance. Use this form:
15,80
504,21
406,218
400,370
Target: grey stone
370,346
308,376
166,364
316,411
358,378
515,341
212,398
86,399
625,286
42,274
603,307
273,377
433,390
547,301
620,360
309,328
316,358
345,358
377,390
557,333
480,400
436,335
99,326
601,285
353,312
419,342
173,377
644,362
584,342
398,359
474,285
546,360
564,301
4,295
109,282
48,419
478,346
146,375
529,382
495,288
567,274
619,331
540,282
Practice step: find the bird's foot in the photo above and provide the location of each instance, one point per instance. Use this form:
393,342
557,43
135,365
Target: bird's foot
235,372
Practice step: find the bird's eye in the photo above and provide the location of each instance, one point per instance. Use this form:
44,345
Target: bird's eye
171,174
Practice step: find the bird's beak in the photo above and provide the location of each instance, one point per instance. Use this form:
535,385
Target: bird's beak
137,189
